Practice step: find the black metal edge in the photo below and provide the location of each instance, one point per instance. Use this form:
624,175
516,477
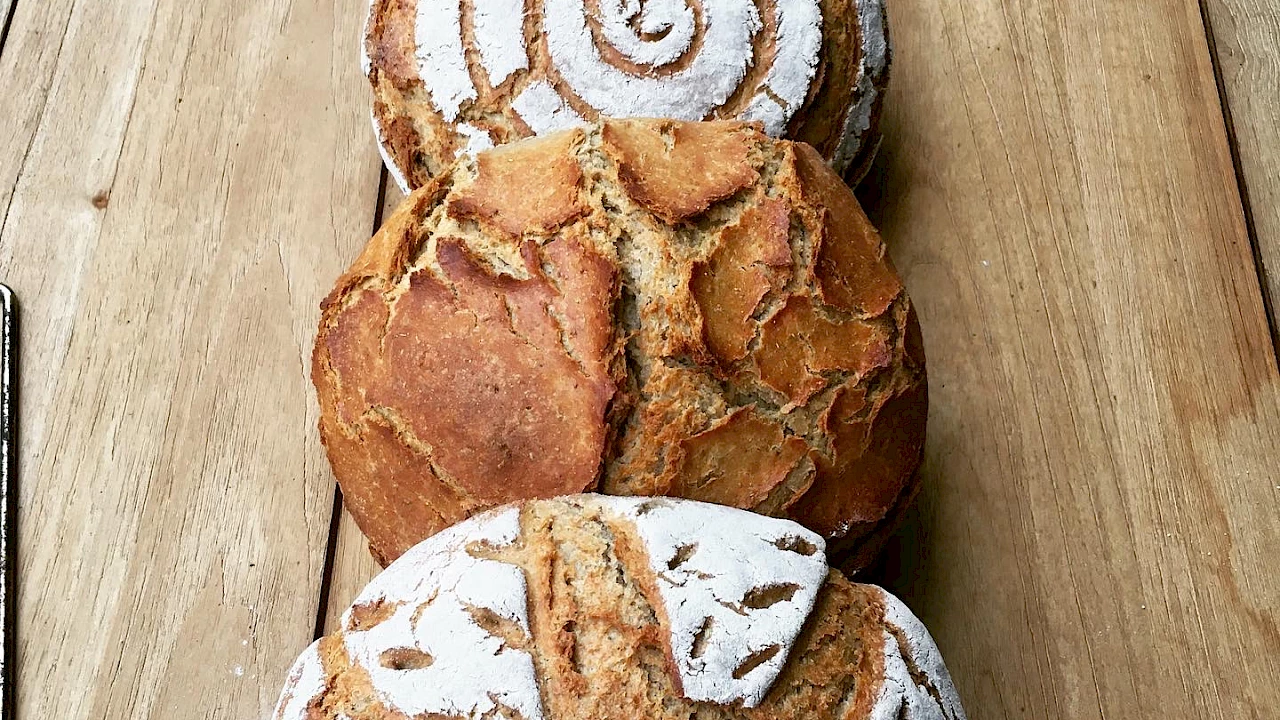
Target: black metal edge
8,473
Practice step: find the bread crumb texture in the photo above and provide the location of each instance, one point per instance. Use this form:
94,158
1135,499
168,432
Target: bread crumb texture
591,607
454,77
635,308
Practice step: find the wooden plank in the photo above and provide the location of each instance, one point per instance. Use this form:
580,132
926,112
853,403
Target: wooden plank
27,60
1099,526
196,176
1245,38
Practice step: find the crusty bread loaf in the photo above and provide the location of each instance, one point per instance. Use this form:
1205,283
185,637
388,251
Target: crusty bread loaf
639,307
593,608
451,77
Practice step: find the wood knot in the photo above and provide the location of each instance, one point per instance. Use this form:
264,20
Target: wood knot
100,199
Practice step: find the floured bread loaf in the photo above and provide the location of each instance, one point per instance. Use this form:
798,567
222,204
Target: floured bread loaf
451,77
639,308
591,607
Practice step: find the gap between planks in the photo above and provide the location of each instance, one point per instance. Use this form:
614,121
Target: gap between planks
7,10
340,535
1242,181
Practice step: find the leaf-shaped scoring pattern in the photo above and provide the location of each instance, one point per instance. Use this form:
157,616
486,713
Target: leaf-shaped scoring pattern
429,655
736,590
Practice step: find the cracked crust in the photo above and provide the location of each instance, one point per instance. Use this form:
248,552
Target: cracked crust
595,626
728,329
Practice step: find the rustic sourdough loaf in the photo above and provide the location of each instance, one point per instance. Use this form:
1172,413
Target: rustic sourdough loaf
451,77
639,308
592,607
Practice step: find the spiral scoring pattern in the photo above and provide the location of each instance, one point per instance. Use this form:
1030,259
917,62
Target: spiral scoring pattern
682,59
653,34
711,75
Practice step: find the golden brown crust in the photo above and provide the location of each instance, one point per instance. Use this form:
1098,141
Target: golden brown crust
419,435
529,187
759,352
414,135
525,423
880,450
738,461
390,42
854,274
799,349
751,259
676,170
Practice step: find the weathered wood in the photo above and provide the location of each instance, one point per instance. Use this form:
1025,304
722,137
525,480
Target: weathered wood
185,181
6,7
1100,521
28,59
1245,38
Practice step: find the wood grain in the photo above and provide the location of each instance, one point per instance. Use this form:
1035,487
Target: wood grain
6,7
27,61
1245,38
1100,523
180,184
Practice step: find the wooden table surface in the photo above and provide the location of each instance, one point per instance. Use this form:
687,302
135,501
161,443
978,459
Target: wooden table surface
1083,196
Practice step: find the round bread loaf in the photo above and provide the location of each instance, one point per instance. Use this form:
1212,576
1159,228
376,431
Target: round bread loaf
452,77
638,308
591,607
